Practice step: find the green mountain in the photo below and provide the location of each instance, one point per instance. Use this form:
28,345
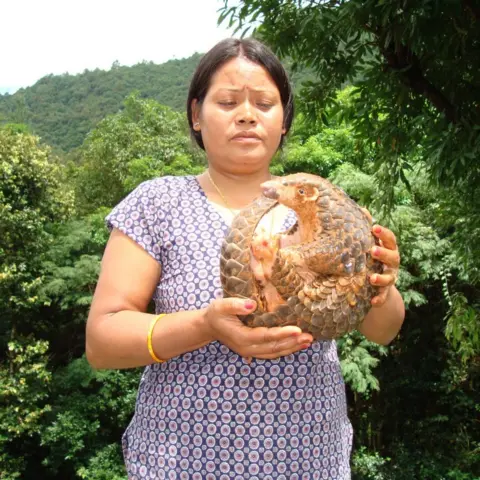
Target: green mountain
62,109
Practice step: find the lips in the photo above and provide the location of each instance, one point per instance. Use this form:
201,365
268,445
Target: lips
246,135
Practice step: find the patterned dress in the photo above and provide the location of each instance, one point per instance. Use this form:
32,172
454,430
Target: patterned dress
207,414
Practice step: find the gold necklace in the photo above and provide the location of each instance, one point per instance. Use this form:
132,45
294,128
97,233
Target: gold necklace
228,205
220,193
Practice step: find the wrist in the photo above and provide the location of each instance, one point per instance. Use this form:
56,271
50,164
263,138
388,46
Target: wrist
206,331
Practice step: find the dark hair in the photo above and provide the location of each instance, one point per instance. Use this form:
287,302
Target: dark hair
220,54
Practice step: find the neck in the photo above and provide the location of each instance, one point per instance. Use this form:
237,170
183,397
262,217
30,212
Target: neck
239,190
307,220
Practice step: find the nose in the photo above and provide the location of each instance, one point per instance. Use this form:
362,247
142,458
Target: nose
246,114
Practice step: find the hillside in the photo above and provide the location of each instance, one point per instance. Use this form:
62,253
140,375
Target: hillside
62,109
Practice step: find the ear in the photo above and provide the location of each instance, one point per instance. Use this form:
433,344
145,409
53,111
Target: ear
195,114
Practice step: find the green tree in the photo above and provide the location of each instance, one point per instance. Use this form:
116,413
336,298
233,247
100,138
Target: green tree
143,141
24,395
32,196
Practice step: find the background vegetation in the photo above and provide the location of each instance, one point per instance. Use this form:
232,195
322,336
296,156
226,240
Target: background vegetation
389,110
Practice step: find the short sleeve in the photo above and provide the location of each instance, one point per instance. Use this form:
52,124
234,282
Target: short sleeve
139,215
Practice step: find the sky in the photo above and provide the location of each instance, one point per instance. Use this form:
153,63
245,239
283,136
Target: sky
40,37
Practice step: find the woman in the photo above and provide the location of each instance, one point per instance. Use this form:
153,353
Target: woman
203,412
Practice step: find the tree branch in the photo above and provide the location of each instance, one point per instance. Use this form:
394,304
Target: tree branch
475,11
403,58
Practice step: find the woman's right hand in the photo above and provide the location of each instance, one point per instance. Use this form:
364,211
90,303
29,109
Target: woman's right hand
259,342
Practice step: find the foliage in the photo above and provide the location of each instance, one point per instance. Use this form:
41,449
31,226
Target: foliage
143,141
106,464
71,264
31,196
29,191
90,407
62,109
321,153
24,393
357,362
462,328
367,465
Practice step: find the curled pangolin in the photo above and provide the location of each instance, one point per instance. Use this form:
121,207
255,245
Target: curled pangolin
314,275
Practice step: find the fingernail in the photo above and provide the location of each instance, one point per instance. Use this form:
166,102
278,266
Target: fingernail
377,229
305,340
374,278
375,251
305,346
249,305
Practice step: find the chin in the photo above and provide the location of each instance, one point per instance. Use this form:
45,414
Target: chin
257,154
251,161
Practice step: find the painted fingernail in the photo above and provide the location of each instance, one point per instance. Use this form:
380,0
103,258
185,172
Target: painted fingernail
377,229
249,305
375,251
305,346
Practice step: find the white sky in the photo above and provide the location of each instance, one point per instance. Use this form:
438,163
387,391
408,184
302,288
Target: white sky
40,37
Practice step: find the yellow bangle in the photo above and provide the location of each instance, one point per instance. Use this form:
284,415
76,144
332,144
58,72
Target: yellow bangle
149,337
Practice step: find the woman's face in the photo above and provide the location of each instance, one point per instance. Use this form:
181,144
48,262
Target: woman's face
241,118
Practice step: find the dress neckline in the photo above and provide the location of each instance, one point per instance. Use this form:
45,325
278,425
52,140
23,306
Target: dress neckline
211,205
288,220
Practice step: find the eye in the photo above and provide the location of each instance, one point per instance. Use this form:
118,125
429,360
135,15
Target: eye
227,104
265,105
301,191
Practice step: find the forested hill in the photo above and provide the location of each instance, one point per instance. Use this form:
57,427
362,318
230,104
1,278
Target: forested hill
62,109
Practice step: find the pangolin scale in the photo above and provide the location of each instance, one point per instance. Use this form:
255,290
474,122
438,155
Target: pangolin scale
318,270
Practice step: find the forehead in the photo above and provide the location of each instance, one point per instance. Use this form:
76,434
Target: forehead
240,73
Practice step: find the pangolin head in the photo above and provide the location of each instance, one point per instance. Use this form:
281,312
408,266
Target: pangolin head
295,191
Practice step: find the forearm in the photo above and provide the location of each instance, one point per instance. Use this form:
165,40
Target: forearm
120,340
382,324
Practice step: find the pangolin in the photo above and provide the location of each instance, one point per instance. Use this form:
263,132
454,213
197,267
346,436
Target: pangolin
314,275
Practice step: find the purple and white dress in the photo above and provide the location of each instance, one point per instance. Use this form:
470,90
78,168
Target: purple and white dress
207,414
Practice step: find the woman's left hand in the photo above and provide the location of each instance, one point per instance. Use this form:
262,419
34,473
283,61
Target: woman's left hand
387,253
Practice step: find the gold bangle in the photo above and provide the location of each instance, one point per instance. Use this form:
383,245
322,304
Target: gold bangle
149,338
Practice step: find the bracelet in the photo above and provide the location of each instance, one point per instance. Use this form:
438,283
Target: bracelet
149,338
